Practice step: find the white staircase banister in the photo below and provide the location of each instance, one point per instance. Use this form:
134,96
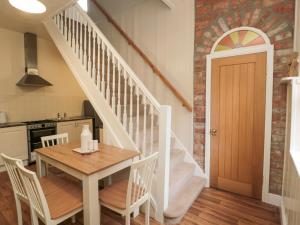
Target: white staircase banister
120,59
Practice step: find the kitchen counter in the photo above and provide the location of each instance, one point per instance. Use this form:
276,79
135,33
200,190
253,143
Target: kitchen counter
11,124
73,118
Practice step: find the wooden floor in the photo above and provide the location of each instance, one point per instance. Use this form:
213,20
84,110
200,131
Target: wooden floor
211,207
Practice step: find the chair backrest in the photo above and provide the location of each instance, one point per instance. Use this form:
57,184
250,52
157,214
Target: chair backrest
57,139
140,179
35,193
14,176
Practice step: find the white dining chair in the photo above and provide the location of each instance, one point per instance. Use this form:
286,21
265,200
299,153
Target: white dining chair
16,182
125,196
57,139
52,199
48,141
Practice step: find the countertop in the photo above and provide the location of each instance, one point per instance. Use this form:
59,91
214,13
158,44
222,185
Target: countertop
12,124
73,118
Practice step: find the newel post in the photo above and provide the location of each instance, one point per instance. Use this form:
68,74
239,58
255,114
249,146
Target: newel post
164,160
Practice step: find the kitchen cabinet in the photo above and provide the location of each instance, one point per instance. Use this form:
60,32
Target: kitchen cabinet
73,128
13,142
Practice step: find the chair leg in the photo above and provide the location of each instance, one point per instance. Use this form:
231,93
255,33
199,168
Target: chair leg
147,213
19,211
127,217
73,219
34,218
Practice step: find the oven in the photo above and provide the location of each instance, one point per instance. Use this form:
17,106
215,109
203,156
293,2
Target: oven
36,130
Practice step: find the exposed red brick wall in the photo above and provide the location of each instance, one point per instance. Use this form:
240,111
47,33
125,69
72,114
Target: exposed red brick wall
276,19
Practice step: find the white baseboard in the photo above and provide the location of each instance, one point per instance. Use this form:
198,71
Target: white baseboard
282,214
273,199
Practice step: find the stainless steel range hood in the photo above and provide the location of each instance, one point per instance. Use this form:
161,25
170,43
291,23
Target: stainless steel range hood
31,77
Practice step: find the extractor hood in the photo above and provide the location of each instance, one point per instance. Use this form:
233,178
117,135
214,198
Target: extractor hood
31,77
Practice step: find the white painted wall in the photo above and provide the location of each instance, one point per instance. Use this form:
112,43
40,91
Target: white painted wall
27,103
167,37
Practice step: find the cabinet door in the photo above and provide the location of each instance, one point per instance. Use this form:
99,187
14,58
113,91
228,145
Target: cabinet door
67,127
79,124
13,142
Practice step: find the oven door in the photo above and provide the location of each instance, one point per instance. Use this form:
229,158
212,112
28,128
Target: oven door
35,136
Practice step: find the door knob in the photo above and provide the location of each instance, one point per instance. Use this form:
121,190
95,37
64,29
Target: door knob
213,132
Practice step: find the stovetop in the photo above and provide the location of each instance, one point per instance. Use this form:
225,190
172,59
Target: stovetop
40,124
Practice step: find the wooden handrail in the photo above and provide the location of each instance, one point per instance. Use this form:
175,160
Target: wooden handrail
156,71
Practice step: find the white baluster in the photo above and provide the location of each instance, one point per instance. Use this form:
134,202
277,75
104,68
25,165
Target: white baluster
79,37
61,25
65,26
119,91
98,64
144,125
85,46
74,29
151,128
94,56
89,50
114,85
108,77
137,130
68,20
130,109
103,69
125,101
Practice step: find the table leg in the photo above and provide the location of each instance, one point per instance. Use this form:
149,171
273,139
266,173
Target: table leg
39,167
91,209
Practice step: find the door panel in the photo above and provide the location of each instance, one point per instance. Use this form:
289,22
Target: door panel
238,115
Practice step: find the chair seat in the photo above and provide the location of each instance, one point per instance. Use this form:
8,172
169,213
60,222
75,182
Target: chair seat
115,195
63,197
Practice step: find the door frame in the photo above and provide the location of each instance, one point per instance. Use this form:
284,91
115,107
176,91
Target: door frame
269,49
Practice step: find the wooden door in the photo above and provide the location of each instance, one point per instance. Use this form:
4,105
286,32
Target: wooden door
237,123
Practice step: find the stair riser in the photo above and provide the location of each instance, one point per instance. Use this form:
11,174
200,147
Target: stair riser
180,183
176,161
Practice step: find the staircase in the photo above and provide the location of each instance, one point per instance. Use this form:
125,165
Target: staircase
131,115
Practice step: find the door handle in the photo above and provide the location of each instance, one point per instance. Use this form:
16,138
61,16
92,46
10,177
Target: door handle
213,132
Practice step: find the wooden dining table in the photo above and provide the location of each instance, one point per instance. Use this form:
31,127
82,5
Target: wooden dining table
89,168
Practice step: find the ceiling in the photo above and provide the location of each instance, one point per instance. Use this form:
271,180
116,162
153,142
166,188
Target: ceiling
14,19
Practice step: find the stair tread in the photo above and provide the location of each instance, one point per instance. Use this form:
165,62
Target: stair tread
183,200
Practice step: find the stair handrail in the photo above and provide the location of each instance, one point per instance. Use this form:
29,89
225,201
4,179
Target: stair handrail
146,59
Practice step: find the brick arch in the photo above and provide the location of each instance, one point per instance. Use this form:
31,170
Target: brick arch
273,17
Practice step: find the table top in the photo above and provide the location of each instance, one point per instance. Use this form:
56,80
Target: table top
88,163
